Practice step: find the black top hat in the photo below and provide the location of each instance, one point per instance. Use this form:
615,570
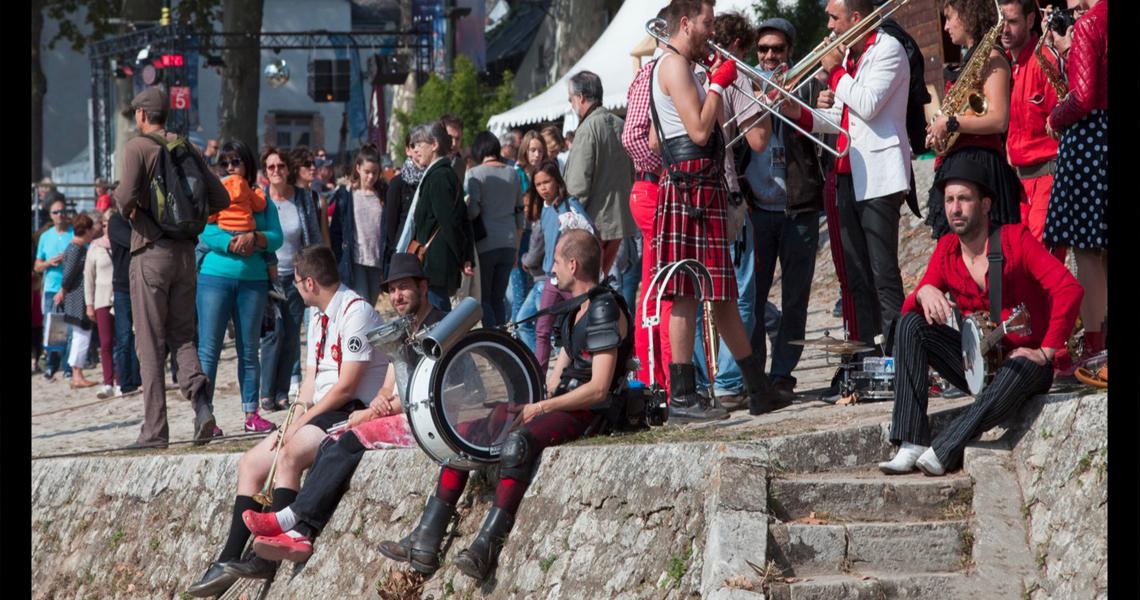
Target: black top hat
968,170
403,266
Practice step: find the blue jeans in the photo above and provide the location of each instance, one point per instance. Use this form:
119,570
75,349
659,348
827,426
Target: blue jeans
219,299
627,270
438,298
728,378
528,307
494,276
793,241
517,290
55,357
126,361
281,347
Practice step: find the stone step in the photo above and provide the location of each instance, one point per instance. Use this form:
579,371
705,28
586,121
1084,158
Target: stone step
863,496
923,547
865,586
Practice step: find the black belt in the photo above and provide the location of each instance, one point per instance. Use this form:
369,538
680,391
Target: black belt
647,176
1038,170
682,148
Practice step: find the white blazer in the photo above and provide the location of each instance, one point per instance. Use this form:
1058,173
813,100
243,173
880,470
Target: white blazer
877,98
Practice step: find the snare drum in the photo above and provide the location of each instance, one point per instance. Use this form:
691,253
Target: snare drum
467,400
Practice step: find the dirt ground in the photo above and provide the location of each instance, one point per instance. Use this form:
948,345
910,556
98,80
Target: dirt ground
66,420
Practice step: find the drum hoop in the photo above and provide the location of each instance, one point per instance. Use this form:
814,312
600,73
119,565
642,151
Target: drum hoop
477,337
972,328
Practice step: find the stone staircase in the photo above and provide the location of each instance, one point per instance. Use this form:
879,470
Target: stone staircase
857,534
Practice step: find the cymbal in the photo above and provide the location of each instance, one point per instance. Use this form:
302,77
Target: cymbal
845,348
826,340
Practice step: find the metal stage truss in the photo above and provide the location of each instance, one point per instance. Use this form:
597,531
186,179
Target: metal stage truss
106,55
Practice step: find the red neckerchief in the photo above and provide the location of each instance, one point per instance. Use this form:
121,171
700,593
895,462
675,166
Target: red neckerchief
335,350
843,164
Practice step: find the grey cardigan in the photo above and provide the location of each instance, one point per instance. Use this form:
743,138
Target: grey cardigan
494,193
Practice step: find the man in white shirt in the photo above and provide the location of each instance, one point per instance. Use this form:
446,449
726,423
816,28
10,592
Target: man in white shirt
342,373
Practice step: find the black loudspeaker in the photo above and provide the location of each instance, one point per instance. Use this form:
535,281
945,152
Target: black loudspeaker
328,80
389,69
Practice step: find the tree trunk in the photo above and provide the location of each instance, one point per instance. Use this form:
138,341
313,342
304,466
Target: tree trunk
39,89
241,78
133,10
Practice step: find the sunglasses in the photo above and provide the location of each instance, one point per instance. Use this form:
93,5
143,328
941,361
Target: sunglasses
275,167
766,49
58,212
308,164
233,162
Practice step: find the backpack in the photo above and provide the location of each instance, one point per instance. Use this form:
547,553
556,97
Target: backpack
178,194
917,94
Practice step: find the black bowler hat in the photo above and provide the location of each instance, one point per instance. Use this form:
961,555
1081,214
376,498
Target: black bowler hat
968,170
403,266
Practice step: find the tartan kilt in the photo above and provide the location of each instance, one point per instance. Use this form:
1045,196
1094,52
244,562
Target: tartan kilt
679,234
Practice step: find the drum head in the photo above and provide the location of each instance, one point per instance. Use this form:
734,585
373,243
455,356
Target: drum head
477,390
972,358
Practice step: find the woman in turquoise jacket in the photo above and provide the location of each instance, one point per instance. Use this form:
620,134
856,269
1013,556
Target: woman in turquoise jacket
233,283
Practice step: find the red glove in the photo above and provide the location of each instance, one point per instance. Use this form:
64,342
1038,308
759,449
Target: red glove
725,74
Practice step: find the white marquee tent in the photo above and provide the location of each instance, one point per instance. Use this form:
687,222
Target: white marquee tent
609,57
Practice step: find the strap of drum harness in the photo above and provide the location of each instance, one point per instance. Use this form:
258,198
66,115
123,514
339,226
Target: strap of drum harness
562,307
683,179
996,262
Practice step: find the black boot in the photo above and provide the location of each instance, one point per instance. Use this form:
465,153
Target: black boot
685,404
421,547
214,582
203,417
478,560
253,567
762,395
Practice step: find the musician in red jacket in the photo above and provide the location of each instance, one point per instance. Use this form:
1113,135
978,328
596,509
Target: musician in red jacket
1030,275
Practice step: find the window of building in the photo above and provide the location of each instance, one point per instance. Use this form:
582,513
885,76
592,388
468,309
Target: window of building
292,129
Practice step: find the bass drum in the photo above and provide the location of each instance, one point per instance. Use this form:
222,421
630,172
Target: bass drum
466,401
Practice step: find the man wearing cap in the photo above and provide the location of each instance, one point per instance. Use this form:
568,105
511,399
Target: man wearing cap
342,371
162,276
288,534
960,266
785,182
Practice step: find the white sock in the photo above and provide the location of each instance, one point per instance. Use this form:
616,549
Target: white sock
293,534
286,520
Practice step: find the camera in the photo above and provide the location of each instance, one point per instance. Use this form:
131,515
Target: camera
1062,20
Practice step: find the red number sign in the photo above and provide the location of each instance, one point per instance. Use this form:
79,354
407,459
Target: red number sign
180,97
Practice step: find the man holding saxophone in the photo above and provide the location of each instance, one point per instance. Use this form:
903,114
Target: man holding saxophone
341,369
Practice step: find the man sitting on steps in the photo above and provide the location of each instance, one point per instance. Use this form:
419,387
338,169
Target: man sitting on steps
1029,275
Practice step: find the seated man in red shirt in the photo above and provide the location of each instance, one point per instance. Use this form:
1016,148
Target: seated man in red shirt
1029,276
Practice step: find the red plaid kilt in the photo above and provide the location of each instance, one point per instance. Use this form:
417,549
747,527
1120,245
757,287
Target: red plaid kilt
679,234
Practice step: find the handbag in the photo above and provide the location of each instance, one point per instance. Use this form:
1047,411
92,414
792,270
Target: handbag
414,247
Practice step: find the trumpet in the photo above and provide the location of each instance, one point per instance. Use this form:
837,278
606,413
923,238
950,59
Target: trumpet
657,29
265,496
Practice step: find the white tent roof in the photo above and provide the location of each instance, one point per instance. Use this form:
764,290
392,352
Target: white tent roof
609,57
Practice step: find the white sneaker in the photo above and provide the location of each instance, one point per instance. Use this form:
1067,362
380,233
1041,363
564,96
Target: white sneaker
929,464
904,459
105,392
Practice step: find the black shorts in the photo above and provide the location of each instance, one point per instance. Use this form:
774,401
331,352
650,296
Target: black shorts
331,418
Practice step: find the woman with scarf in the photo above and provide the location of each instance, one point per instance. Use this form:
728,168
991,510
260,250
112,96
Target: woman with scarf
399,201
98,294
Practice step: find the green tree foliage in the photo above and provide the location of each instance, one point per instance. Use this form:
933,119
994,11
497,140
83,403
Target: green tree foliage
465,95
96,25
807,16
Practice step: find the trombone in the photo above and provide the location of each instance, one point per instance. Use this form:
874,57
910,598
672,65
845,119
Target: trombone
656,28
265,496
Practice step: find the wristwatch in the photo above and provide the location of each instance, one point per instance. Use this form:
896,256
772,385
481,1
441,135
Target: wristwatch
952,124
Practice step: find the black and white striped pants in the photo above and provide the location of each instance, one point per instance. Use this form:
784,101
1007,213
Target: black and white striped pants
919,345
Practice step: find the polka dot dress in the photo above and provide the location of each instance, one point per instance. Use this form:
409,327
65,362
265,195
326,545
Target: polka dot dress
1078,205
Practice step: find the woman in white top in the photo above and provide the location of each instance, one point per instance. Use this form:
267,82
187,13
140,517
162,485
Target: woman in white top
355,230
99,297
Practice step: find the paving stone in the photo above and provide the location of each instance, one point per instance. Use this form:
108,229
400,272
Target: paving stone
906,547
873,499
1002,558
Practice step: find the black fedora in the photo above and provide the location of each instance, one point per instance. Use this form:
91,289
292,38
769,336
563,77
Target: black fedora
403,266
967,170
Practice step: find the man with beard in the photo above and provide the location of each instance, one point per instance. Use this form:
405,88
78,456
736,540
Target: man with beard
985,268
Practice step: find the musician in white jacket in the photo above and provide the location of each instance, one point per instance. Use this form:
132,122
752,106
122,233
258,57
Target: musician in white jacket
868,95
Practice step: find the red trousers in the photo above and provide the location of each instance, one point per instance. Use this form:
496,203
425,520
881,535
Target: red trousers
643,205
1035,206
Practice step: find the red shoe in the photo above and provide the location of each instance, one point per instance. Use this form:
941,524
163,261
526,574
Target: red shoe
262,523
283,547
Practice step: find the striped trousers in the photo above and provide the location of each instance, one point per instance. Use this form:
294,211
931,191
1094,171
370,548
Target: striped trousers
919,345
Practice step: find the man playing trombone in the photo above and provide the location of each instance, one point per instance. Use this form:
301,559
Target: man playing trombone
341,368
691,217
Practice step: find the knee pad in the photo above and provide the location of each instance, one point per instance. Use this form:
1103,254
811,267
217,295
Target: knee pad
519,456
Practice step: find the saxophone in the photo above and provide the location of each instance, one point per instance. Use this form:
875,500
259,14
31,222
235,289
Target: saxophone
966,93
1054,74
